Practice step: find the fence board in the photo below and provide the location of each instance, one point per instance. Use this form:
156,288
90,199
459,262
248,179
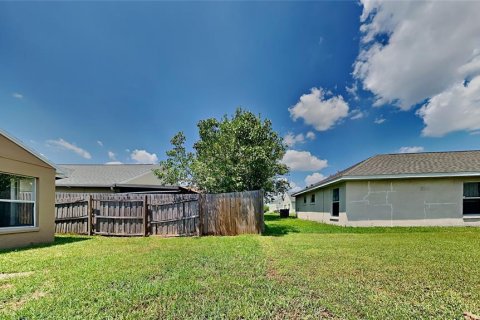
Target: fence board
159,214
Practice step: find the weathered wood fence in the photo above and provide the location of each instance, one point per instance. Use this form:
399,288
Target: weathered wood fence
159,214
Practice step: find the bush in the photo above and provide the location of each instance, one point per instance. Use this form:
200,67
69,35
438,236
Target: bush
265,208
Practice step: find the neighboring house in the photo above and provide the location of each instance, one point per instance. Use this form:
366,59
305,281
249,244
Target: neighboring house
412,189
27,195
112,178
284,201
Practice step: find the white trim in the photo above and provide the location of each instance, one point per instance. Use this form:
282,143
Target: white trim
390,176
22,229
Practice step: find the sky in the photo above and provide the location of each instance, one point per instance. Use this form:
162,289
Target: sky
110,82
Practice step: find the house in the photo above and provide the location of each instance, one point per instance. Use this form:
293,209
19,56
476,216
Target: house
412,189
112,178
284,201
27,195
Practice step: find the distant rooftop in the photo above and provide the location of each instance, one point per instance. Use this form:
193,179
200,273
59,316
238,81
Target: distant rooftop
426,163
102,175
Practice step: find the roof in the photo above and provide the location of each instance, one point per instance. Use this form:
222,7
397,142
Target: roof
103,175
408,165
28,149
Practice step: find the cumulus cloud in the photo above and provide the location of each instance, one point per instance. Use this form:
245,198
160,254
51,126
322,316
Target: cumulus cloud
310,135
114,162
303,161
455,109
291,139
379,120
294,187
65,145
314,178
414,149
320,109
142,156
356,114
432,51
112,156
17,95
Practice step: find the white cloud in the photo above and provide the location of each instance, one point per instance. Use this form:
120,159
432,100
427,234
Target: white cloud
113,162
112,156
303,161
65,145
455,109
353,91
414,149
356,114
294,187
314,178
100,143
379,120
142,156
319,109
290,139
432,46
17,95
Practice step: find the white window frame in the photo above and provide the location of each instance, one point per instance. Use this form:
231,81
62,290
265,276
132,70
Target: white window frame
34,227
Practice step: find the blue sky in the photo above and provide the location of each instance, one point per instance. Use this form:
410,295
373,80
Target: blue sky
80,80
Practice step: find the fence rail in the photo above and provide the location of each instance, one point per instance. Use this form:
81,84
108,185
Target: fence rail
167,215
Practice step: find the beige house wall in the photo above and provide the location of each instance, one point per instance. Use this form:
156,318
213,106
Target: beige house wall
14,159
393,202
321,209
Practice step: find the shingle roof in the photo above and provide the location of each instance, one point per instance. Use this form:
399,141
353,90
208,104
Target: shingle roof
100,175
424,163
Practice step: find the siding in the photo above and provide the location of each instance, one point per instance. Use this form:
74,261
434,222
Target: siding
322,208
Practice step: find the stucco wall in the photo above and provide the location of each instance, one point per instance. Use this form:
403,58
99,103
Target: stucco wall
321,210
16,160
406,202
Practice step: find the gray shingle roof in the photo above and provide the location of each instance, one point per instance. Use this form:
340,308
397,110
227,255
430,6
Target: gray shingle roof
452,162
102,174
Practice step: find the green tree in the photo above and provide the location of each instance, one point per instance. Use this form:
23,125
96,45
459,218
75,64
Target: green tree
235,153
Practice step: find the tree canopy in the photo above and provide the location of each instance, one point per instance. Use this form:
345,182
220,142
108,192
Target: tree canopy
236,153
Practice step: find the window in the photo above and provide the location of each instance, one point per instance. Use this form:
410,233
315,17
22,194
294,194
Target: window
17,201
335,202
304,199
471,198
312,198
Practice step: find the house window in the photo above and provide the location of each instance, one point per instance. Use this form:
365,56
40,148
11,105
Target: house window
312,198
471,198
304,199
17,201
335,202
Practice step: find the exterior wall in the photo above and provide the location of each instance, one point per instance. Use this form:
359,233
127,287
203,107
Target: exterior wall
406,202
16,160
321,210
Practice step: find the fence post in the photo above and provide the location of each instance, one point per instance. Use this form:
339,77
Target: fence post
145,216
89,215
201,213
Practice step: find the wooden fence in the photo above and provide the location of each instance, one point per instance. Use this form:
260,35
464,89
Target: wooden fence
159,214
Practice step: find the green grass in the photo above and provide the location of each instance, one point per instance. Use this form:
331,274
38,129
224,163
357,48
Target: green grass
297,269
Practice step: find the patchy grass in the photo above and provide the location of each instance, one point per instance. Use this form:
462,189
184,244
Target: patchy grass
298,269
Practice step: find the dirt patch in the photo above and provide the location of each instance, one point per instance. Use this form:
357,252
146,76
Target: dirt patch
6,286
16,305
4,276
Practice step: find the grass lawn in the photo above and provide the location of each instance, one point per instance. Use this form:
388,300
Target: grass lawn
298,269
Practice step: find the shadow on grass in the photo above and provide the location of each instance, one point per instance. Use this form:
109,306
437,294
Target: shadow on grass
278,230
62,240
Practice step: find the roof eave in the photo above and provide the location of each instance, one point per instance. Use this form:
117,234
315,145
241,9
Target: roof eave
391,176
